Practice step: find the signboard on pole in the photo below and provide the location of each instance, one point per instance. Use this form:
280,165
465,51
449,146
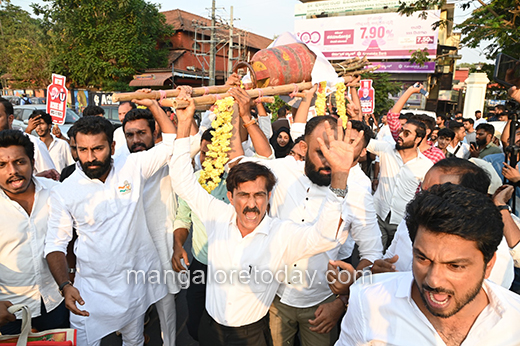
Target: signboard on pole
367,96
376,36
57,99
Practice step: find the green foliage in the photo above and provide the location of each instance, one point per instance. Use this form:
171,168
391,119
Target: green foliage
275,106
420,57
25,48
383,87
497,21
103,43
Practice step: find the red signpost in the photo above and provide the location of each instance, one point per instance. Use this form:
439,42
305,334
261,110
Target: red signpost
57,99
367,96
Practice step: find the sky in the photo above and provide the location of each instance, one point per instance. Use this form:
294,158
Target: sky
264,17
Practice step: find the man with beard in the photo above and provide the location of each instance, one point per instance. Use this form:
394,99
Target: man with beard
119,135
445,299
308,306
114,250
457,147
485,145
159,206
42,159
59,149
25,277
403,167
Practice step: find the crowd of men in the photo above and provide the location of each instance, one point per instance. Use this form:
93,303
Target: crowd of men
318,233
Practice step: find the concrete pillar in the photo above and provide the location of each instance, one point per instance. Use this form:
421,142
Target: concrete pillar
475,94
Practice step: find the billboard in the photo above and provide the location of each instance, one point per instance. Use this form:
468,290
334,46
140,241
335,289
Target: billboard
377,36
402,67
316,8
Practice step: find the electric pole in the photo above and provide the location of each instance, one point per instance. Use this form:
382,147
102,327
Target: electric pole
230,50
213,50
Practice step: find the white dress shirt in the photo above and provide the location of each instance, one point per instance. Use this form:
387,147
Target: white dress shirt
478,122
25,277
298,199
398,181
42,158
121,144
239,290
59,151
384,313
113,240
462,151
502,273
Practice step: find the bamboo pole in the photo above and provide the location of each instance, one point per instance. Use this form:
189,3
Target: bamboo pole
253,93
156,95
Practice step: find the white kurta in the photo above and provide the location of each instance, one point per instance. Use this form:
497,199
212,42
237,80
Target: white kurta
119,274
42,158
60,153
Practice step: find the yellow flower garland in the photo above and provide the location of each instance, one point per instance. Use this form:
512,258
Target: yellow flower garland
212,169
340,103
321,99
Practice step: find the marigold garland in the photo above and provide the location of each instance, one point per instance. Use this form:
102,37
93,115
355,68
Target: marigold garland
321,99
212,169
340,103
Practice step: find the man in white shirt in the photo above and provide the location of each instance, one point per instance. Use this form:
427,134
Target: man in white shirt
456,171
310,307
457,147
25,277
42,159
58,148
478,119
446,299
403,168
159,205
244,240
119,274
119,135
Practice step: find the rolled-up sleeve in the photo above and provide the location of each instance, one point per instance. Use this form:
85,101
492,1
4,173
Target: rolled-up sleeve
59,226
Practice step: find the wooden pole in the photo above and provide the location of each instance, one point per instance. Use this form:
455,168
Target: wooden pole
156,95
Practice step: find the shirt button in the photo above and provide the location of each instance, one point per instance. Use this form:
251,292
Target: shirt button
295,264
303,220
307,198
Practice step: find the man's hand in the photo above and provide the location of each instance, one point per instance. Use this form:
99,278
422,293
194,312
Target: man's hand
72,296
340,281
414,90
148,103
244,102
33,123
49,174
510,173
233,80
339,152
57,131
185,114
327,316
503,194
474,151
309,94
5,316
384,265
178,254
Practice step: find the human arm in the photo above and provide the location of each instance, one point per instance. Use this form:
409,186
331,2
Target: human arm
355,105
511,230
510,173
327,316
393,114
300,118
5,316
505,133
264,121
181,225
33,123
56,131
260,142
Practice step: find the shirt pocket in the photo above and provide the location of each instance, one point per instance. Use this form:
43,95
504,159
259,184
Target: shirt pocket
256,276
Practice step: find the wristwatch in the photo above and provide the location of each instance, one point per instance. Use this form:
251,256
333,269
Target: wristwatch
62,286
504,207
339,192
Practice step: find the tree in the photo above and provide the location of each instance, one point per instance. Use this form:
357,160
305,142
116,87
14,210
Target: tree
498,21
383,89
103,43
25,48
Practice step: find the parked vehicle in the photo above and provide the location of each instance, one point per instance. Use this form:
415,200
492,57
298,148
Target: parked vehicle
22,114
15,100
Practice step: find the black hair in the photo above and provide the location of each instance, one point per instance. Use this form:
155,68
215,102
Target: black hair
360,126
500,107
405,116
477,111
249,171
207,135
420,127
488,128
93,110
71,133
8,106
94,125
314,122
471,176
469,120
445,132
140,113
281,111
426,119
456,210
442,116
454,125
14,137
299,139
132,105
43,116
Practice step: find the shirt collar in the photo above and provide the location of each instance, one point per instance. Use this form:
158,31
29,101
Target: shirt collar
37,188
262,228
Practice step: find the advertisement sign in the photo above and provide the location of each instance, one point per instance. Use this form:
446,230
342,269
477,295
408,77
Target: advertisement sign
345,6
377,36
402,67
57,99
367,96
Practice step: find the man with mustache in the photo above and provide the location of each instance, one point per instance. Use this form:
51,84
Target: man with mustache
25,277
159,201
446,298
244,243
103,201
485,145
308,306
